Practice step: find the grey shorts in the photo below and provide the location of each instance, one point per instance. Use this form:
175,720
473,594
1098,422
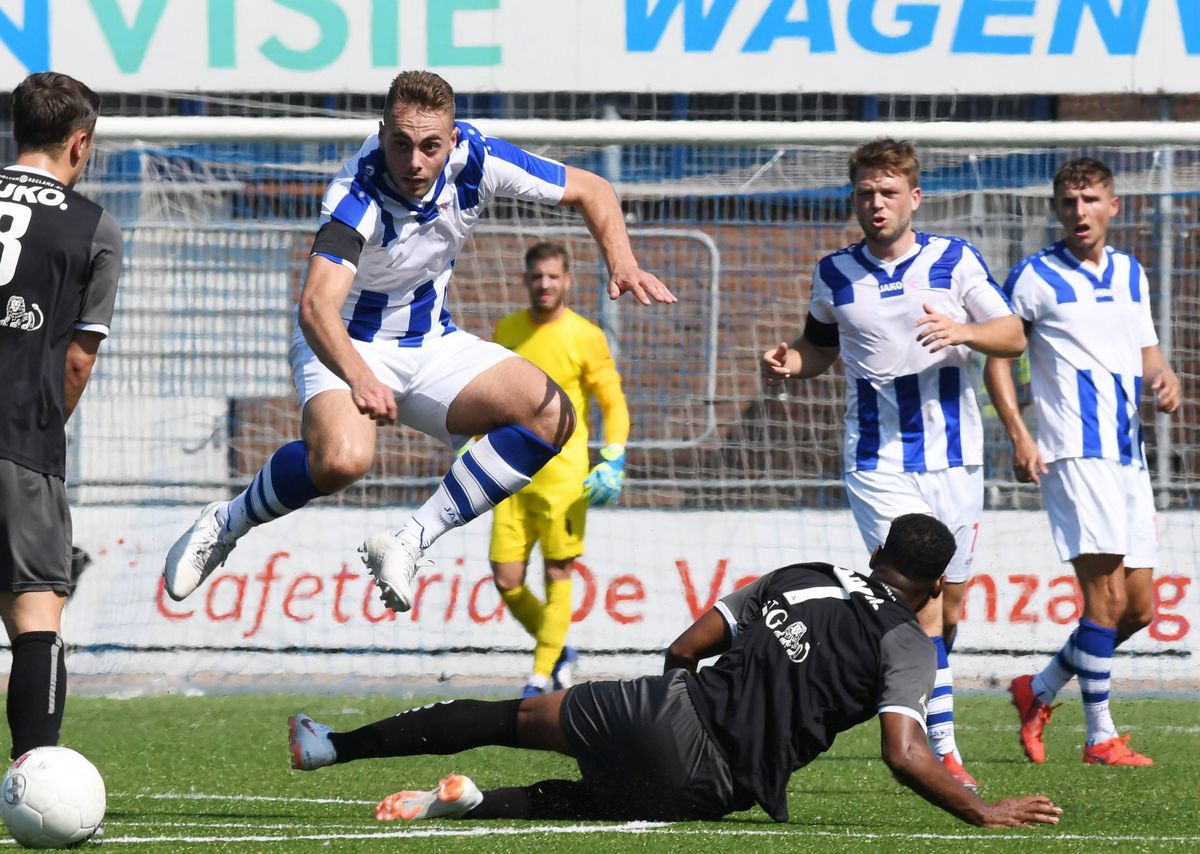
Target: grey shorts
35,531
641,742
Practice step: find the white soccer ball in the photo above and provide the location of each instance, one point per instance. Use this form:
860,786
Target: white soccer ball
52,798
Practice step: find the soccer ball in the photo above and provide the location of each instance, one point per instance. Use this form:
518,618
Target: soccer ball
52,798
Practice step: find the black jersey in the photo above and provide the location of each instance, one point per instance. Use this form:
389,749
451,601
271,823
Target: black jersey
59,258
816,650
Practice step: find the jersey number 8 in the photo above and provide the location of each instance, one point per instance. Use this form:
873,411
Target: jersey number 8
14,220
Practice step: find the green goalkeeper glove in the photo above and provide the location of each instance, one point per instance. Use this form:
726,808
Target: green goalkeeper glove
603,484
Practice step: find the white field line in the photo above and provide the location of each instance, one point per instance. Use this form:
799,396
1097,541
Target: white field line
642,828
197,796
1171,728
637,827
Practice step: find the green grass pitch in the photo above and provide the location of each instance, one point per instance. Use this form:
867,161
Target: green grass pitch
212,774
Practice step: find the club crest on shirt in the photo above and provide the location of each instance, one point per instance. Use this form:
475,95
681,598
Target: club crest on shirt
792,639
17,317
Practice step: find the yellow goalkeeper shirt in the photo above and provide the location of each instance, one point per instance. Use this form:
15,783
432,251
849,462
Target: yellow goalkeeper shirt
574,353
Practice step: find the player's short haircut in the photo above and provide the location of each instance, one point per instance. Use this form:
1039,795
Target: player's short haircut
1082,172
919,547
422,89
48,107
547,249
896,156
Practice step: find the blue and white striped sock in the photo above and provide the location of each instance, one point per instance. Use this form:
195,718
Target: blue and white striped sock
1094,647
499,464
1056,674
940,717
281,486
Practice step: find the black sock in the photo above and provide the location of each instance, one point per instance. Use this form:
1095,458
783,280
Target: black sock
440,728
549,799
37,690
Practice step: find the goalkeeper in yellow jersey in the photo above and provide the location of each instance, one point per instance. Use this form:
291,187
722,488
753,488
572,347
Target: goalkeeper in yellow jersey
552,509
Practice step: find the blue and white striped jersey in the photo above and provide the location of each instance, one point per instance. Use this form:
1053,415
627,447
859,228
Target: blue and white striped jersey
1089,325
400,284
907,409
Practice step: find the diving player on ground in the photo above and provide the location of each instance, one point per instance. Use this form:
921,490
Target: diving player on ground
807,651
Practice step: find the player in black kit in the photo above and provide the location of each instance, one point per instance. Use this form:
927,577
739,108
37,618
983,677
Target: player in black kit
59,259
807,651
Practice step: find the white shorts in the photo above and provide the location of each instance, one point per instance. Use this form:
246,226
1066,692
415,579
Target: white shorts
1099,506
954,496
426,379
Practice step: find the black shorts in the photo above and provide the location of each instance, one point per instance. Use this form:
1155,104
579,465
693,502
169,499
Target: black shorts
642,744
35,531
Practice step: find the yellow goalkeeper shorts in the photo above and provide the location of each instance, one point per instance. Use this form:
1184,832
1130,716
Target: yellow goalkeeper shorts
556,520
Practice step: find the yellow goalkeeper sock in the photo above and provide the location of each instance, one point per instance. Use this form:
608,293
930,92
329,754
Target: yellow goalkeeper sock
526,607
556,620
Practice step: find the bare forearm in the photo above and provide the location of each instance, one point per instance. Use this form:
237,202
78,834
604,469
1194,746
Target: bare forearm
81,358
1153,364
1003,337
325,290
806,360
77,380
706,637
923,774
997,375
677,660
325,332
597,203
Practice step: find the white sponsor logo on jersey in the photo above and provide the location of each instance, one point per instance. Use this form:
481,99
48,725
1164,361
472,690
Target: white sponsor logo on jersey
792,639
33,195
17,317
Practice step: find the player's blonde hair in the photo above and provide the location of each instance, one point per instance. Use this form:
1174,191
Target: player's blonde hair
896,156
1082,172
422,89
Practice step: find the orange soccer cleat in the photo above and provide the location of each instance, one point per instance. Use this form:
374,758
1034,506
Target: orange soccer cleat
958,772
1034,716
454,796
1115,751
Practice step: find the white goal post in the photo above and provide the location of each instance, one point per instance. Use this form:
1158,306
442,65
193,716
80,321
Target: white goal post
622,132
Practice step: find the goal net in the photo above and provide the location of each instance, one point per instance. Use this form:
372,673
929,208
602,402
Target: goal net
192,393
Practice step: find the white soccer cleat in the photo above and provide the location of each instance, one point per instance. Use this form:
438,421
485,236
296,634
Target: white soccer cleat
454,797
197,554
309,743
393,563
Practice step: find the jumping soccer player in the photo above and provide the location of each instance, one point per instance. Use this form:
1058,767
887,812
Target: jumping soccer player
1092,348
375,344
60,256
904,309
807,651
552,510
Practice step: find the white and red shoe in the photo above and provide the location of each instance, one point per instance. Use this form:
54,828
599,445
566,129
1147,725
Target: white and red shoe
455,796
309,743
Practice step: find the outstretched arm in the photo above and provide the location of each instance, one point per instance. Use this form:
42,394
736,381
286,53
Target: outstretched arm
597,203
907,754
706,637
